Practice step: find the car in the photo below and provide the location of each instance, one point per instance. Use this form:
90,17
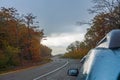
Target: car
102,62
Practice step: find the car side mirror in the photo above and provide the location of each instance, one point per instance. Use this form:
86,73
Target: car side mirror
73,72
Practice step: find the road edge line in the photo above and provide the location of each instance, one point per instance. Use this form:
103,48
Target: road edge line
51,71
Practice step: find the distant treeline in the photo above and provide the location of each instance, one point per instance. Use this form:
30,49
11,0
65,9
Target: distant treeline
20,39
107,18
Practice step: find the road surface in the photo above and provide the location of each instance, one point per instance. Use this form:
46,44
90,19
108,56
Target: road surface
56,70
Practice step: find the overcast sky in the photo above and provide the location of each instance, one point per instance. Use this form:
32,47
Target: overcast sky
58,19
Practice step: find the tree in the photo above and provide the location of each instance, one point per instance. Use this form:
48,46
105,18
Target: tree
45,51
29,21
106,19
104,6
20,40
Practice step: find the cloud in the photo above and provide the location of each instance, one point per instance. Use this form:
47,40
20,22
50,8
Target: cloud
58,50
59,42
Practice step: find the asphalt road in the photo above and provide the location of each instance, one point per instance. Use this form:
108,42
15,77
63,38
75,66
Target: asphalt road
56,70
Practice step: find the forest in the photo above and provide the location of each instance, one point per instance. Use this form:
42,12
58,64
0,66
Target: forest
107,18
20,39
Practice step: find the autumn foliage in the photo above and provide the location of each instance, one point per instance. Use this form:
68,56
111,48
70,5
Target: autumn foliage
20,39
107,18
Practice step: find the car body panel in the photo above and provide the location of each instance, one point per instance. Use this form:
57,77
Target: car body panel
102,64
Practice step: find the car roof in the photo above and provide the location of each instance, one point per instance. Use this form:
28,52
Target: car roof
111,40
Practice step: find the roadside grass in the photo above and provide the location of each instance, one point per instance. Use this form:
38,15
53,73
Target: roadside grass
71,56
24,67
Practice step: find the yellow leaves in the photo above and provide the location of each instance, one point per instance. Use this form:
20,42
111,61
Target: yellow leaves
12,50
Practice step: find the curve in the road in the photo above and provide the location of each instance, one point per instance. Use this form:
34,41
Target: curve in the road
51,71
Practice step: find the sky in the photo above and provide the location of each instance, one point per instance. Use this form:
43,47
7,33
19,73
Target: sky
58,19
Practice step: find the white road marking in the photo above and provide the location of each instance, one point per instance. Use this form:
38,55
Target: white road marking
51,71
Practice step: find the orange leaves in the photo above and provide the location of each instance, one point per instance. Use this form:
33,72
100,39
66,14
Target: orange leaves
35,47
19,40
